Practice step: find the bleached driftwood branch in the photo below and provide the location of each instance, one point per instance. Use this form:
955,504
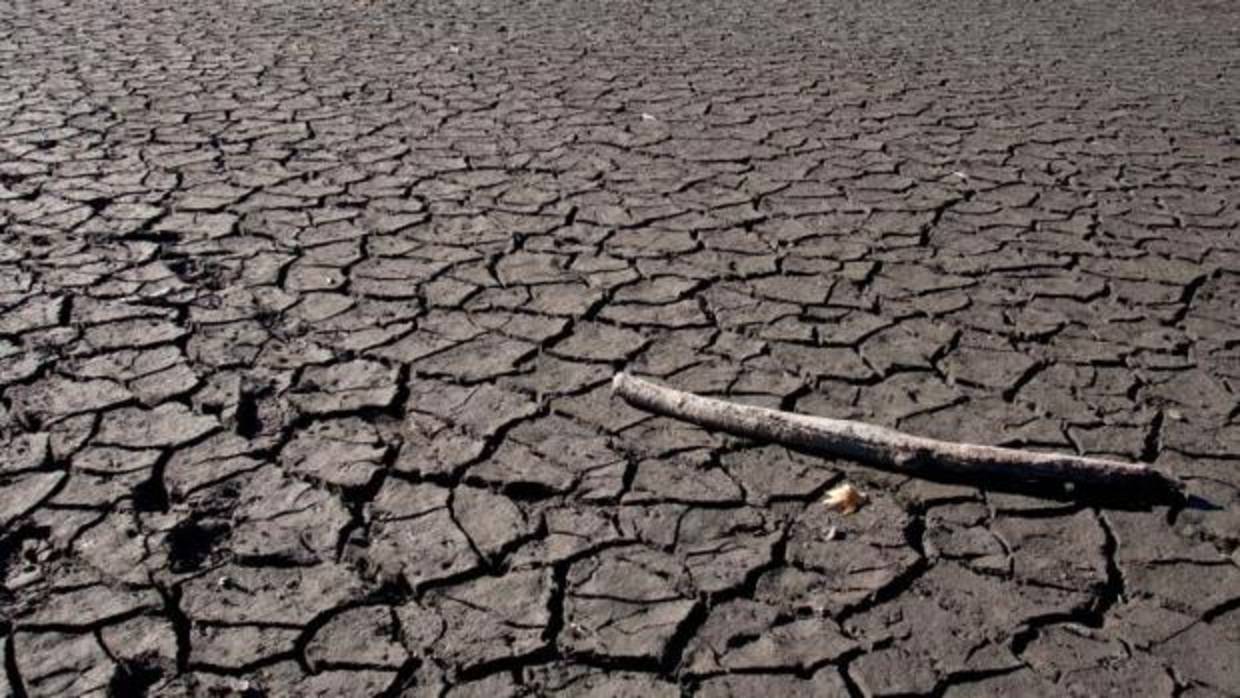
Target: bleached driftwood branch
887,447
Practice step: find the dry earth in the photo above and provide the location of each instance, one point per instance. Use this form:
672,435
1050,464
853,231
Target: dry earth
309,309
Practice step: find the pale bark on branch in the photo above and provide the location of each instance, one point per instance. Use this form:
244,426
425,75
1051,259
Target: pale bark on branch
889,448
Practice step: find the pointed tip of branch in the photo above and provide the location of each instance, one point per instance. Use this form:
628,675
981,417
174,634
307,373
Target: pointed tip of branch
618,381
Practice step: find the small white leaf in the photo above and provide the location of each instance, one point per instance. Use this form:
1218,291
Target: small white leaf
845,499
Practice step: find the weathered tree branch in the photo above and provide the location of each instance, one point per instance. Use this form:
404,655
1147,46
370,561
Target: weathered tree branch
887,447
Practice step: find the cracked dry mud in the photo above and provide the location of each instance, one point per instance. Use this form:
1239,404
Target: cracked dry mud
308,312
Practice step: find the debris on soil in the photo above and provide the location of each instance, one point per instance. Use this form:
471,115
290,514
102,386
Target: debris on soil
845,499
889,448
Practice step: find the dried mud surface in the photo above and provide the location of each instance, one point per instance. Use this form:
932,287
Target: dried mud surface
308,310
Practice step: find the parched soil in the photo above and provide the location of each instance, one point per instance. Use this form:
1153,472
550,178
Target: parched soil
308,311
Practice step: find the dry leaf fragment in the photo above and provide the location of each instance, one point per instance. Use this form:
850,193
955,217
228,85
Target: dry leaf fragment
845,499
